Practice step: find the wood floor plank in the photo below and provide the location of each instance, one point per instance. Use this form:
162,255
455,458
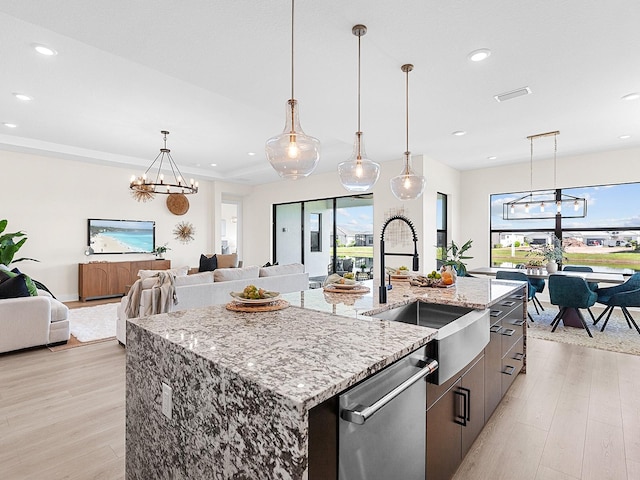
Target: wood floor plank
631,429
546,473
564,449
604,455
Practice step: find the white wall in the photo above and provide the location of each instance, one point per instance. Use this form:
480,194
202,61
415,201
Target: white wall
618,166
51,199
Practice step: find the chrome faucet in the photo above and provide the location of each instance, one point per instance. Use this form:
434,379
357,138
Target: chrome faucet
416,262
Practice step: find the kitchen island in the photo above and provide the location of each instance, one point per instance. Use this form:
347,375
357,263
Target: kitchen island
238,388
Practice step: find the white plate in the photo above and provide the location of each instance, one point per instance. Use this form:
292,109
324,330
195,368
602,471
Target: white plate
255,301
345,286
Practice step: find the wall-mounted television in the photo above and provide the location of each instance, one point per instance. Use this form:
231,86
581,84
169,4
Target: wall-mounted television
121,236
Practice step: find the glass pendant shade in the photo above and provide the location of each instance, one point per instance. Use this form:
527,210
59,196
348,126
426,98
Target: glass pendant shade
292,153
407,185
358,174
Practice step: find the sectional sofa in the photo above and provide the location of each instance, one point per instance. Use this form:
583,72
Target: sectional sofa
211,288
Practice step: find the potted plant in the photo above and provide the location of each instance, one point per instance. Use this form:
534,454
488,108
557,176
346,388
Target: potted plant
9,247
363,266
454,255
553,253
161,250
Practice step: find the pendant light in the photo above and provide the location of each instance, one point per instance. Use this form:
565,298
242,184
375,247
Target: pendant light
407,185
358,174
293,154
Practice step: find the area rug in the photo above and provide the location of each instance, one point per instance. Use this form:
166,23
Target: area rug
89,324
617,336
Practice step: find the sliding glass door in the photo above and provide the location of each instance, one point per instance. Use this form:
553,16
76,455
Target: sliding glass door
331,235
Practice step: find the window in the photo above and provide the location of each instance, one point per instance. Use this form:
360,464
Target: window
606,239
315,230
441,226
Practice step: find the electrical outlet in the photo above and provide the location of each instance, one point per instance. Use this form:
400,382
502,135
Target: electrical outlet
167,400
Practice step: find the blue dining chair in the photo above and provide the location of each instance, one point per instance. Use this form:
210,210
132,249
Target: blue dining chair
521,277
623,296
570,294
579,268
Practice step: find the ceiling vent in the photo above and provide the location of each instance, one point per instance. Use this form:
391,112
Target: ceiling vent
519,92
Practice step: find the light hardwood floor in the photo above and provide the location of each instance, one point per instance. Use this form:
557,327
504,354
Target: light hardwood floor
574,415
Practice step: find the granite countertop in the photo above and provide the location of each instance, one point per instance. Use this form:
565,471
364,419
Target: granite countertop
470,292
320,345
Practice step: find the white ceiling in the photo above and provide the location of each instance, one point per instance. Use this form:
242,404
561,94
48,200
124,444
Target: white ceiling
216,74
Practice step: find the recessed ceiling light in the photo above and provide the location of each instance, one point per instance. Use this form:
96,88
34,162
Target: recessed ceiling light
213,164
624,137
10,125
44,50
491,158
22,96
251,154
459,133
631,96
479,55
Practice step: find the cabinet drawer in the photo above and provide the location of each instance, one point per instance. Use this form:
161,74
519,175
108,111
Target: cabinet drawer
504,308
511,330
512,364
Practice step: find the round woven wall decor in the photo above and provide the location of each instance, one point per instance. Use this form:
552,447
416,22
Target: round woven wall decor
178,203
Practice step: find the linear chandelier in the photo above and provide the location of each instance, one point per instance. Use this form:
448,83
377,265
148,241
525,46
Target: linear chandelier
544,204
145,186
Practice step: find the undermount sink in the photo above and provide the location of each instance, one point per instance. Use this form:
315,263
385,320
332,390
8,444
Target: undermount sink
462,333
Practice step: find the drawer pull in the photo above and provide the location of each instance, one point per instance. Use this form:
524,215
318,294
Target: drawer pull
508,303
508,332
509,370
518,356
519,297
518,323
495,329
495,313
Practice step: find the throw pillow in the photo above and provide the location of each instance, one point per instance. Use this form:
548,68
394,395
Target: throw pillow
229,260
14,287
208,264
33,290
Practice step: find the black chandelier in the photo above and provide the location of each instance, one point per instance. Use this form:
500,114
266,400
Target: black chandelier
153,181
544,204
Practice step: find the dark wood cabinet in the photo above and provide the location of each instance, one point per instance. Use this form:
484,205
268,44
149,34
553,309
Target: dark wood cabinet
111,279
504,355
454,420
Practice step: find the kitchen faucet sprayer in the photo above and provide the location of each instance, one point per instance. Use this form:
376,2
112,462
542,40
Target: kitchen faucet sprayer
416,261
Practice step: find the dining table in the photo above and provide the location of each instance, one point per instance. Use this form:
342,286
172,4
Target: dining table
596,277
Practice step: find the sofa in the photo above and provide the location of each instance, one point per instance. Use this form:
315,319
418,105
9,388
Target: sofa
213,288
32,321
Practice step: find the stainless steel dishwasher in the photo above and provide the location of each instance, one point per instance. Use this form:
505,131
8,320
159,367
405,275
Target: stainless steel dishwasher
382,426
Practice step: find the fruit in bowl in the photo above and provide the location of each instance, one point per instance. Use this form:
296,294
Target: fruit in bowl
251,292
349,275
402,270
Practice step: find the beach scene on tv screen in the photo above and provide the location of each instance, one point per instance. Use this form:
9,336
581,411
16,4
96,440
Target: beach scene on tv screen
118,236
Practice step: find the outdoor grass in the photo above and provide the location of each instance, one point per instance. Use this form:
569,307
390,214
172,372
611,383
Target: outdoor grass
355,252
629,259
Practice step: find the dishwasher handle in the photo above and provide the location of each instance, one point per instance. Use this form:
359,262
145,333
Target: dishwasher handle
361,414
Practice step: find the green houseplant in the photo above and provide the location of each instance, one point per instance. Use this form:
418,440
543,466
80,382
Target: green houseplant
553,253
161,250
8,245
454,256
